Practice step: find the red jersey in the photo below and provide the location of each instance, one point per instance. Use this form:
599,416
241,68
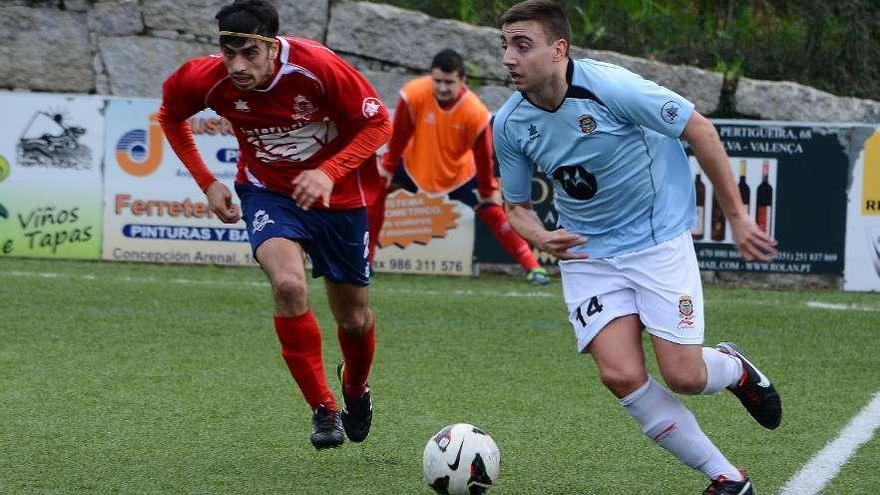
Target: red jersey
311,109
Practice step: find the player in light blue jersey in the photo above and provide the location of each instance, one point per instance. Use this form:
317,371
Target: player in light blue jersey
609,142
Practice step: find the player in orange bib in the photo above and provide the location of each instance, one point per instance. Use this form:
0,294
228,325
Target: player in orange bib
443,140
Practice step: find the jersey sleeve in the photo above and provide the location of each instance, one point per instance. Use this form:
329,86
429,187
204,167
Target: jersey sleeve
646,103
516,169
182,98
351,93
183,94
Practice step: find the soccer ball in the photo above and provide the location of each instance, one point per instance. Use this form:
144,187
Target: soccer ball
461,459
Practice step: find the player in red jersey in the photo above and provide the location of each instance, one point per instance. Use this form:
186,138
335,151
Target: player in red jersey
308,126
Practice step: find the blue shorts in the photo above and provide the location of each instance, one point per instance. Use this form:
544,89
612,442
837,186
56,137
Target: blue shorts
466,193
336,240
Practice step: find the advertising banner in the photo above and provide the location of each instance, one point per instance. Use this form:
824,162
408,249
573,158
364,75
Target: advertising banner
154,211
50,176
793,179
425,234
862,271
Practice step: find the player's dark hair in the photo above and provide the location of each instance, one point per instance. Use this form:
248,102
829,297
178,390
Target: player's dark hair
548,13
249,17
448,60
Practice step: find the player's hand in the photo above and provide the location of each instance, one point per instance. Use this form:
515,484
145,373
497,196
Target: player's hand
311,186
494,198
752,242
384,174
558,242
220,202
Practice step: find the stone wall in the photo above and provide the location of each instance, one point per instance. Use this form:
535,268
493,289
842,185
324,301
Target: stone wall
128,47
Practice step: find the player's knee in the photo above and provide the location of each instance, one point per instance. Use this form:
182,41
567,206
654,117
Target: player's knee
623,382
682,383
355,323
290,290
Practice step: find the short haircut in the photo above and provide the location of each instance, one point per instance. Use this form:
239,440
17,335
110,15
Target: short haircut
548,13
449,60
247,16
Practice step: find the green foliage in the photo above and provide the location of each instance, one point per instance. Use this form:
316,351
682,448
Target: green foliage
833,46
144,379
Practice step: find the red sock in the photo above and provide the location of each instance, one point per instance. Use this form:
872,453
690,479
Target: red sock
358,354
375,219
300,339
494,217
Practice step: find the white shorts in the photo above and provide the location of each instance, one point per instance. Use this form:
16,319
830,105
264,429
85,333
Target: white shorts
661,284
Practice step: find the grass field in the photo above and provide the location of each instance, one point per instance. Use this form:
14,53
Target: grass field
139,379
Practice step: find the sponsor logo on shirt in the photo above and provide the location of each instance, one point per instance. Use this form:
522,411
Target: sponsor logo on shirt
576,182
669,112
291,143
370,107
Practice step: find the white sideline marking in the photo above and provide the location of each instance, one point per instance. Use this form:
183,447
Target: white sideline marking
374,289
840,306
825,465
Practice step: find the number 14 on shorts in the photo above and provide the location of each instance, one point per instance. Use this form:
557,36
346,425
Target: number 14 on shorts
593,307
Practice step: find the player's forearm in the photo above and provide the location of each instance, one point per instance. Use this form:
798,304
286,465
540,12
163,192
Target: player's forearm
180,137
525,222
486,182
364,145
703,140
402,132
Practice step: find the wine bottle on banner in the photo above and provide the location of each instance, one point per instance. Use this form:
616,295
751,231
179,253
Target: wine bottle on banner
764,201
718,227
699,230
745,192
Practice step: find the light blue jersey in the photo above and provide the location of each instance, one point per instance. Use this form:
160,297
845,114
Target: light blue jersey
619,172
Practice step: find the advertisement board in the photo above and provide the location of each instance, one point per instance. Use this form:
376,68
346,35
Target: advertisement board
425,234
862,271
154,211
50,176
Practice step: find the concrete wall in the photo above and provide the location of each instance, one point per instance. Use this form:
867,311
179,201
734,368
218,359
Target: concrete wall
128,47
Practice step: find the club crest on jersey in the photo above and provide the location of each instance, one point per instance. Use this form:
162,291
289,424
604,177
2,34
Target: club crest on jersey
261,219
303,108
588,124
685,312
370,107
241,106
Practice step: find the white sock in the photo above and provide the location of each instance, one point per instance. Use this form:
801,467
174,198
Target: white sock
668,422
722,370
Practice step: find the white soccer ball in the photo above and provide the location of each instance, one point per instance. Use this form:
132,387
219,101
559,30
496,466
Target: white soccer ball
461,459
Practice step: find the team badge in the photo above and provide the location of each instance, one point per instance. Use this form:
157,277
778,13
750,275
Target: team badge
685,312
261,219
370,107
241,106
303,108
588,124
